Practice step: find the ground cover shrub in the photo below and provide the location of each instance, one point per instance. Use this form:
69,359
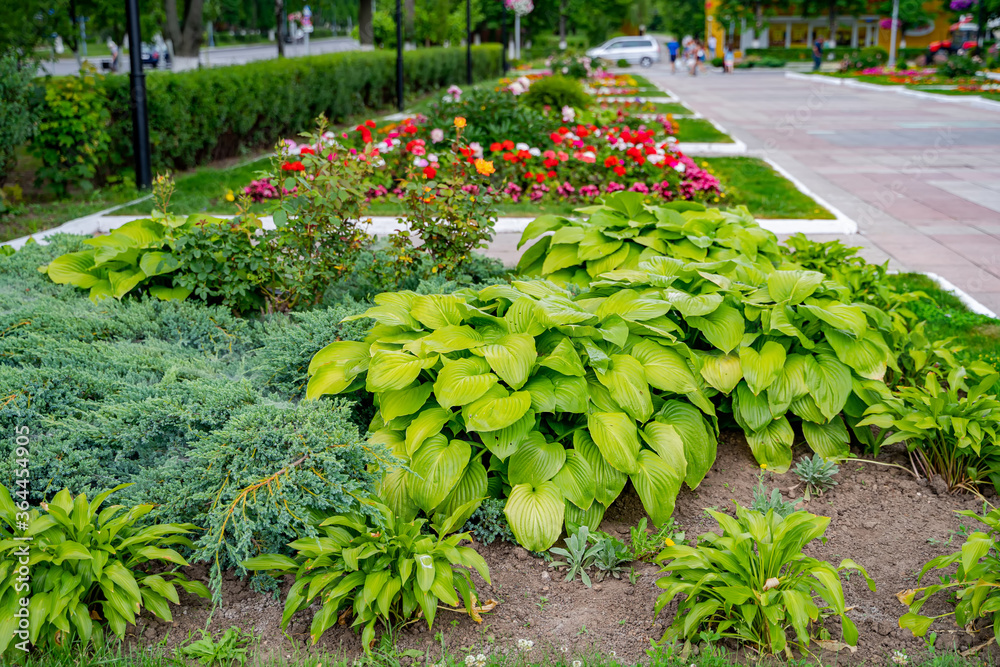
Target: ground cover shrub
974,588
489,524
384,571
209,114
957,66
623,231
866,58
86,565
754,584
556,92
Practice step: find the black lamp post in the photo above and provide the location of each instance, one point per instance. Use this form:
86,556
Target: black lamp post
468,42
399,55
140,116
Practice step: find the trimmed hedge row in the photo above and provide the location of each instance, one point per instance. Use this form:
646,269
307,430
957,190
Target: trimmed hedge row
203,115
800,53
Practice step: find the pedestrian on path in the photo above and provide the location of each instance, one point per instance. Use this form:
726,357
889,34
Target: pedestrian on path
673,47
728,61
817,53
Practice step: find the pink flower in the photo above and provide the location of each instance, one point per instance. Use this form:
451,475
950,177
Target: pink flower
437,135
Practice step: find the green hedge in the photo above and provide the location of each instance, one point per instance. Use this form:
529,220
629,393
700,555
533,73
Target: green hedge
209,114
800,53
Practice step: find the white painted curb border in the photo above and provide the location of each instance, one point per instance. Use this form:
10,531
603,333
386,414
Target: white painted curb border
969,100
841,222
961,295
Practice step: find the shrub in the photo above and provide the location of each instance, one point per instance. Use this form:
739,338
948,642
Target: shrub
572,65
16,115
753,583
556,92
489,524
974,589
209,114
624,63
957,66
73,137
384,572
491,114
866,58
718,61
86,565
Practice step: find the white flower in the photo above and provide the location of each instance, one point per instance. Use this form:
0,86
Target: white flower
480,660
680,167
568,114
611,653
655,159
521,146
899,658
525,645
535,151
564,649
577,663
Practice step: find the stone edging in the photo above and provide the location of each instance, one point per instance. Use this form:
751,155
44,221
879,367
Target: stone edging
970,100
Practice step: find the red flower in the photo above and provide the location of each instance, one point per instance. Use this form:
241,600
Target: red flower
293,166
305,150
563,130
366,134
508,145
610,161
620,170
430,172
551,174
540,178
550,162
370,123
529,175
496,146
555,137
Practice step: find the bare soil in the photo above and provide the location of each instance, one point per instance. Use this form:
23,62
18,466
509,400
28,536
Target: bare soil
881,516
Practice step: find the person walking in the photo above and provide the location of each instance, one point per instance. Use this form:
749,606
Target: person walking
673,48
817,53
728,61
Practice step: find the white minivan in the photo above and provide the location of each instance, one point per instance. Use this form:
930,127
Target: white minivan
641,50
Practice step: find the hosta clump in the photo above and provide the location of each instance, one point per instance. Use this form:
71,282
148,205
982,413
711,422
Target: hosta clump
518,391
975,584
762,344
950,423
624,231
385,571
754,584
86,570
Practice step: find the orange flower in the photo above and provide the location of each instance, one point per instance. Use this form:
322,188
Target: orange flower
484,167
459,122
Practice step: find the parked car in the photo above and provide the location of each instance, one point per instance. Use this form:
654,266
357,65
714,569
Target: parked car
641,50
150,56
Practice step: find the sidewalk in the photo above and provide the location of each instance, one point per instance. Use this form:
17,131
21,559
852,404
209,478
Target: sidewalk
921,178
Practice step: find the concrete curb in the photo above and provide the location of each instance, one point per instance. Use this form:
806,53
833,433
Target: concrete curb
845,224
962,296
969,100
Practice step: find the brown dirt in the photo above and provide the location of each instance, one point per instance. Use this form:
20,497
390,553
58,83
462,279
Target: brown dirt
881,517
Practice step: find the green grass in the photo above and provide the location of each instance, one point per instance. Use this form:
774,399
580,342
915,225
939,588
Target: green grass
35,217
947,317
642,81
699,130
753,183
671,107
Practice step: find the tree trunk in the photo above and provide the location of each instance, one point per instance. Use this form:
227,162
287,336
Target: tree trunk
193,25
409,13
831,38
173,24
366,34
279,27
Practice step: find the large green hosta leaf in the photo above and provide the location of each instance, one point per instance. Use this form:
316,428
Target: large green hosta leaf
665,368
462,381
615,435
395,370
626,382
698,437
437,468
752,412
772,445
793,286
535,461
74,268
535,514
496,410
867,355
723,327
436,311
504,442
576,480
471,486
760,369
428,423
657,482
591,517
608,481
403,402
721,371
511,357
830,440
829,383
564,359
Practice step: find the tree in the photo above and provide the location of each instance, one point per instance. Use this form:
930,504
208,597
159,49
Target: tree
366,32
834,9
185,31
911,14
683,17
755,12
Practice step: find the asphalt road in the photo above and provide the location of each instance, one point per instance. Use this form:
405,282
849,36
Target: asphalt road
219,56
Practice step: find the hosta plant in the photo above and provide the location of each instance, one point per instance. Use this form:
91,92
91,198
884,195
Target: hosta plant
625,231
975,586
753,583
950,424
139,253
518,391
86,570
387,572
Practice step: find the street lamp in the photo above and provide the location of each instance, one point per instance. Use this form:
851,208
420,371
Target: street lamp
892,34
140,116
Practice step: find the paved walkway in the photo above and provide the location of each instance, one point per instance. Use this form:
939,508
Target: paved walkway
921,178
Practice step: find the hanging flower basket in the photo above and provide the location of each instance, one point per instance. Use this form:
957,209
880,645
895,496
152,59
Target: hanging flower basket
519,7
